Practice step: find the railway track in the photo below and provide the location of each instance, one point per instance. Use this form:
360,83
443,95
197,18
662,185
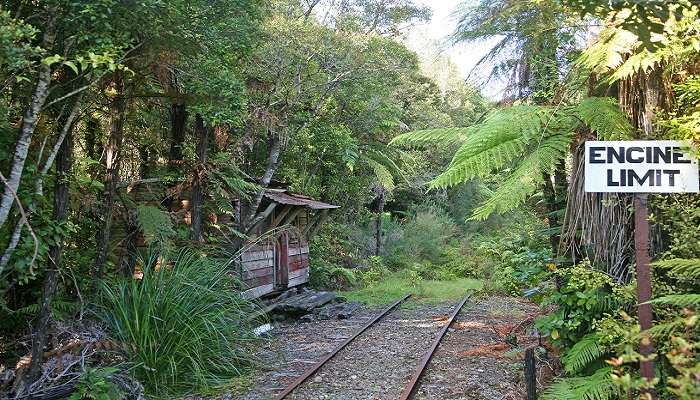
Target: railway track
410,387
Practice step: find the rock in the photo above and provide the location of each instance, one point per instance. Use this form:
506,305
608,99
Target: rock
304,302
337,310
308,318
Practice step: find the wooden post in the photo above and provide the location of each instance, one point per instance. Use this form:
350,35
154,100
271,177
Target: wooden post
641,250
530,374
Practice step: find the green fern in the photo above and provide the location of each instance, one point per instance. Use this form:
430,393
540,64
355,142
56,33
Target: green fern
598,386
155,223
678,300
526,178
529,139
685,267
582,354
382,174
666,329
602,115
380,159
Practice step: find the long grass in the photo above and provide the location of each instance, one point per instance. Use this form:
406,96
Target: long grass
184,324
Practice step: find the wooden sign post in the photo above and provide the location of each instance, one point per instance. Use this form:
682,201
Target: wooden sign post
641,167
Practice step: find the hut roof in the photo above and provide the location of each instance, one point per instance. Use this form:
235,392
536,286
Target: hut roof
284,197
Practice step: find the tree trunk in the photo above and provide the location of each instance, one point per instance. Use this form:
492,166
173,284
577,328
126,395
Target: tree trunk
197,195
29,121
111,178
378,222
272,163
178,124
39,182
550,199
60,212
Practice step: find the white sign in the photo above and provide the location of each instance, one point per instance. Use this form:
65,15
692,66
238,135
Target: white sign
641,166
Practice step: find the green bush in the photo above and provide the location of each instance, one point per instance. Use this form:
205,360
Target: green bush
184,323
584,296
425,238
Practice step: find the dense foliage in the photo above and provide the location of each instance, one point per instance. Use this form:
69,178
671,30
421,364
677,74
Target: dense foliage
132,130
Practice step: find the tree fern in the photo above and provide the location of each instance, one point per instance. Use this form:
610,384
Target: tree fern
582,354
686,267
666,329
678,300
598,386
526,178
602,115
155,223
530,140
382,174
385,169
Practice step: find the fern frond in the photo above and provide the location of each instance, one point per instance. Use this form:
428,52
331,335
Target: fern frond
155,223
688,267
526,177
640,62
678,300
583,353
665,329
497,141
381,158
609,51
603,115
598,386
443,136
382,173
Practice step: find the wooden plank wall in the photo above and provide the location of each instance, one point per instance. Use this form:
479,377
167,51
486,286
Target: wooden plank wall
258,268
298,259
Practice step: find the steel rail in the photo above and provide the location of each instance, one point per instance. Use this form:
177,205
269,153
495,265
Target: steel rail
335,351
408,390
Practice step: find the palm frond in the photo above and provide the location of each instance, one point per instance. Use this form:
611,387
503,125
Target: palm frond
582,354
598,386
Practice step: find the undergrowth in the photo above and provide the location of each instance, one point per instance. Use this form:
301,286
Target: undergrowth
183,323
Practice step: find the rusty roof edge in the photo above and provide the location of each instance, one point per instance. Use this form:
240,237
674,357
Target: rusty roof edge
285,197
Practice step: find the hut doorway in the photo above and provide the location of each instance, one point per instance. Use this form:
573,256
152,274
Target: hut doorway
282,261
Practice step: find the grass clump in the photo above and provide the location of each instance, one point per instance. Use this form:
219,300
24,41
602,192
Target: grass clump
184,324
397,284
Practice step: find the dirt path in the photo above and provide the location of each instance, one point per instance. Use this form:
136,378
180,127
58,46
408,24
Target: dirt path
469,364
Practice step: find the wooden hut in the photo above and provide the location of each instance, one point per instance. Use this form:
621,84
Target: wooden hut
279,259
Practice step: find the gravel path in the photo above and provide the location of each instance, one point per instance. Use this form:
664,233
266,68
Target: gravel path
469,364
378,363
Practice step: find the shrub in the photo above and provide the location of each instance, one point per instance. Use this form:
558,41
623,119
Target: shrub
584,296
184,323
424,237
